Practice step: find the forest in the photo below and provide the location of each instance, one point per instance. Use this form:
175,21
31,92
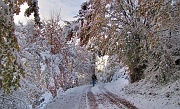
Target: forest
42,56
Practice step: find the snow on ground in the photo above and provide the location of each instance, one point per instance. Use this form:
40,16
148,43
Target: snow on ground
141,95
70,99
105,104
145,96
46,97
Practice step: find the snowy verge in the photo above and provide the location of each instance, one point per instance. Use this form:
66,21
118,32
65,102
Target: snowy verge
44,100
69,99
146,96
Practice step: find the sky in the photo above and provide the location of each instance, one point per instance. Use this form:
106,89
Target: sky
67,8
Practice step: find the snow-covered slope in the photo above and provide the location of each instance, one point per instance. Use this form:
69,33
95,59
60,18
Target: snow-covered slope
148,96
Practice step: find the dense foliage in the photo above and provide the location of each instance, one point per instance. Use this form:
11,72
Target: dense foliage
132,31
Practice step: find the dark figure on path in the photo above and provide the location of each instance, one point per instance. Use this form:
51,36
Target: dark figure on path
94,78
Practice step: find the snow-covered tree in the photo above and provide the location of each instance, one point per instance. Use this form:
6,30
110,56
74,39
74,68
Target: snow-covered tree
127,29
10,64
80,59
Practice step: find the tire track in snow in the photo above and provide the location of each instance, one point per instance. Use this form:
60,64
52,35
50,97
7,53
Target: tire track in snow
88,100
111,99
106,103
91,98
83,100
121,103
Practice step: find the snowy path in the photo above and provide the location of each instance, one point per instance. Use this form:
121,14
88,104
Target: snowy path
88,97
117,95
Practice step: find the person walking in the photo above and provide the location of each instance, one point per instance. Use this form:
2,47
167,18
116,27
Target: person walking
94,78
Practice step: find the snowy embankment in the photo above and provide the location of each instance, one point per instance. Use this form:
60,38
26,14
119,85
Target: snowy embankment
145,96
69,99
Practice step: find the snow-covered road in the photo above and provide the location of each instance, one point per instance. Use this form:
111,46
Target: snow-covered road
117,95
88,97
103,100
